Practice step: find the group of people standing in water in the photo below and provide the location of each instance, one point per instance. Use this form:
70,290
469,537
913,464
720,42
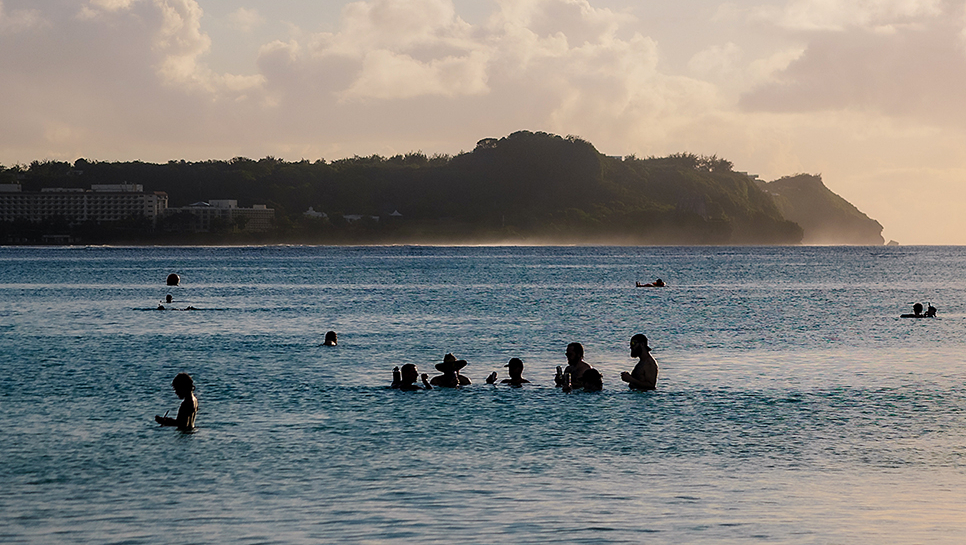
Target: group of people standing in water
577,375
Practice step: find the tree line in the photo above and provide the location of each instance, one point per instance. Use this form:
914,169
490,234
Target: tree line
525,187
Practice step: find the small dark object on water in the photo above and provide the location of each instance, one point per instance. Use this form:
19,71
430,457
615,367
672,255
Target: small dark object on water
918,313
173,279
331,339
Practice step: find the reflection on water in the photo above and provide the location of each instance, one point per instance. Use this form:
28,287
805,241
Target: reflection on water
793,404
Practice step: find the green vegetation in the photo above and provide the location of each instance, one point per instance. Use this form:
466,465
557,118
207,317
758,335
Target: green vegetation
524,188
826,217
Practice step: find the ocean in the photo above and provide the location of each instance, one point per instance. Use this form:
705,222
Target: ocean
794,405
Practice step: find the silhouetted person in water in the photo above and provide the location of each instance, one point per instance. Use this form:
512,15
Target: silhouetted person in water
644,375
451,377
515,370
406,378
917,309
593,381
572,375
930,312
184,387
168,299
330,339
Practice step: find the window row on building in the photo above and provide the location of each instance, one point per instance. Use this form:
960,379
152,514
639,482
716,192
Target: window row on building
115,202
108,203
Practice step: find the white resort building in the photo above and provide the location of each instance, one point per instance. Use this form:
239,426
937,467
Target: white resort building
100,203
114,202
204,216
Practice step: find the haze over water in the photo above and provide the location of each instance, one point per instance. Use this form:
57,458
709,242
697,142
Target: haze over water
793,405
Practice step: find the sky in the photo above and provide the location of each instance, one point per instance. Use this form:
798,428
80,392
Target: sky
870,94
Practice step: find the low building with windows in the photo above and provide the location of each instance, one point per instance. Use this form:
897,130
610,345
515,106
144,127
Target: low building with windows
219,214
101,203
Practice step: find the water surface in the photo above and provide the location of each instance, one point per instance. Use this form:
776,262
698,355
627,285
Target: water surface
794,405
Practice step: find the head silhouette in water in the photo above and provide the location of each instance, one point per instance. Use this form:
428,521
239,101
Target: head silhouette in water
184,388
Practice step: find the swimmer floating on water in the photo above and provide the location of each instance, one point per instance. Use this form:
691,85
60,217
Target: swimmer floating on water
918,313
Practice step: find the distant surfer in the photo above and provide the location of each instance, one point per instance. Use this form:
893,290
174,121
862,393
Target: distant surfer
184,388
644,375
655,284
405,379
930,312
330,339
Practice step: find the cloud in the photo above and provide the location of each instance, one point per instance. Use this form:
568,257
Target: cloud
126,82
393,49
19,20
913,72
575,20
111,5
388,75
392,71
246,19
837,15
182,44
716,60
551,64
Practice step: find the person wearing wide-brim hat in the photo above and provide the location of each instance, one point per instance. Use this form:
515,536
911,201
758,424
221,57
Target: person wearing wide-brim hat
644,375
451,377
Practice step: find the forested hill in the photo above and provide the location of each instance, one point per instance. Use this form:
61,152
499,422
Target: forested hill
525,187
826,217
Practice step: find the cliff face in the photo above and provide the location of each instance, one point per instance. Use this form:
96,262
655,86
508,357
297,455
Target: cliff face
825,217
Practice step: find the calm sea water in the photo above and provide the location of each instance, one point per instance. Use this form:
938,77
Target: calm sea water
794,405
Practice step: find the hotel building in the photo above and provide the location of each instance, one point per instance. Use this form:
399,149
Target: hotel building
100,203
